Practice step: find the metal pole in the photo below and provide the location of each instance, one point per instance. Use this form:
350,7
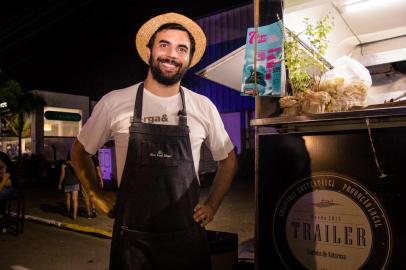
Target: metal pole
1,134
2,105
267,12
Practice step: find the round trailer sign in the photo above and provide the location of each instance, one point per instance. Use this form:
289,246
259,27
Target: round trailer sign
331,222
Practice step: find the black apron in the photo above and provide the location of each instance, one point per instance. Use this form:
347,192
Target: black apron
154,227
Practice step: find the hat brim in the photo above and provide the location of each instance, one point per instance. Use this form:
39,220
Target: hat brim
149,28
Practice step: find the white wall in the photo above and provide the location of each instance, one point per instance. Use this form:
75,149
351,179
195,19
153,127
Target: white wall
61,144
67,101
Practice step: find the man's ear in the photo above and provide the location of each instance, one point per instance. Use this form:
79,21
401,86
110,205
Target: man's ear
148,53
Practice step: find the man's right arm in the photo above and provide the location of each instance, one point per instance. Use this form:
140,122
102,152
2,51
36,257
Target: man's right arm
85,170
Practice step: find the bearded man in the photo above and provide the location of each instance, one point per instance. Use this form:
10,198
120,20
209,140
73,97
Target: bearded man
159,127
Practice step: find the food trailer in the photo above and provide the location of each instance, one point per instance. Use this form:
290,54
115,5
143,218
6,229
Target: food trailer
330,186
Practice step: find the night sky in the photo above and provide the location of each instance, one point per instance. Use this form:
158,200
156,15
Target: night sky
83,47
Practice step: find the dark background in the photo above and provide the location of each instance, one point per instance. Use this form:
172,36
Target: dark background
83,47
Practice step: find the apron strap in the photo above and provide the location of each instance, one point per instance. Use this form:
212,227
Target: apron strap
138,106
182,113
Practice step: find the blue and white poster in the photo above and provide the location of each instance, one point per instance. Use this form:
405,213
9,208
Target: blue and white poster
269,56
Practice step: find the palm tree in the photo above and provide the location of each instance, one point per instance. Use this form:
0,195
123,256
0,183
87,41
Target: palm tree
20,104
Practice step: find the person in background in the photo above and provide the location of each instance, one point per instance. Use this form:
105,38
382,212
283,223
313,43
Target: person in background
7,189
70,183
4,180
159,127
5,194
90,207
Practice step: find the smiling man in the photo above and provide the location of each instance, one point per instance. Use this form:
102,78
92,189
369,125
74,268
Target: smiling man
169,61
159,127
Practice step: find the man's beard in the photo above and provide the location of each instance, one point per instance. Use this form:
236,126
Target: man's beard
160,76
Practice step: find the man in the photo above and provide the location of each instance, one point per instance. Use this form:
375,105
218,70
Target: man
158,127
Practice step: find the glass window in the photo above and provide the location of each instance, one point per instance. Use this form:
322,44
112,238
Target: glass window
62,128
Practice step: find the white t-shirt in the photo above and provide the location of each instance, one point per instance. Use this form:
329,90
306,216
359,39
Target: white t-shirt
111,119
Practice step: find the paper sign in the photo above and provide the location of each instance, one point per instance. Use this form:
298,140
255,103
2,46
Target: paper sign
269,61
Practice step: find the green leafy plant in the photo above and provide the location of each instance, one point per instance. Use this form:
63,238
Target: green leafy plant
20,104
299,62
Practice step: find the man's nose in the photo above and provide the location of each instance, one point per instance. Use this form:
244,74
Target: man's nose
172,53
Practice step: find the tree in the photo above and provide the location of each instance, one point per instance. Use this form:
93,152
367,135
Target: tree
21,105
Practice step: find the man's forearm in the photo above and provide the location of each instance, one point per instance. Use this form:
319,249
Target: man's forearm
222,181
84,168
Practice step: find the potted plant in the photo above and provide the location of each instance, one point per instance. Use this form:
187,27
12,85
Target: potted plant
306,67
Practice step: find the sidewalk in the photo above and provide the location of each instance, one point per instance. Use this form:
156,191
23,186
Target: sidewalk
46,205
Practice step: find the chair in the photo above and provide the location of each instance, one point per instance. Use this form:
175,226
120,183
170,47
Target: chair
14,216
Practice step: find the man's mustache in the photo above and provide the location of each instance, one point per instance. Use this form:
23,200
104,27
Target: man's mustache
169,61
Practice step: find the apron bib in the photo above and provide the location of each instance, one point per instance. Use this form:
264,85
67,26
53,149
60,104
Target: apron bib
154,227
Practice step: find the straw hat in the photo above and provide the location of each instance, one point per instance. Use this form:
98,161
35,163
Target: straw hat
148,29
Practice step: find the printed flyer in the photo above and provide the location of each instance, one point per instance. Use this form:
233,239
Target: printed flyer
269,56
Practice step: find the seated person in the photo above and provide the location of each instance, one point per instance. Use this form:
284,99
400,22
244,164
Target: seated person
7,191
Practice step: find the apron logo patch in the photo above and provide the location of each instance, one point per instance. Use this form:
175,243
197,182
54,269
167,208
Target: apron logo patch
160,154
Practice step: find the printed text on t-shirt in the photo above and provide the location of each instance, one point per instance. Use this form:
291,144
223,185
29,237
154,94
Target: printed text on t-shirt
154,119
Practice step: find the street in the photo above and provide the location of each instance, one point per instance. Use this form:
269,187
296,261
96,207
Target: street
43,247
47,248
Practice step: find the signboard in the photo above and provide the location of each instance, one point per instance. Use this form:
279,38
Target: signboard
269,60
329,221
63,116
105,161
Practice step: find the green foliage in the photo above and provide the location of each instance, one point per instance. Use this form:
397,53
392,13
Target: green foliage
13,124
17,100
20,104
298,61
9,90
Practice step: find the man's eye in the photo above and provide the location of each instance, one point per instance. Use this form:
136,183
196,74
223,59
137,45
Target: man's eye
163,45
182,50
